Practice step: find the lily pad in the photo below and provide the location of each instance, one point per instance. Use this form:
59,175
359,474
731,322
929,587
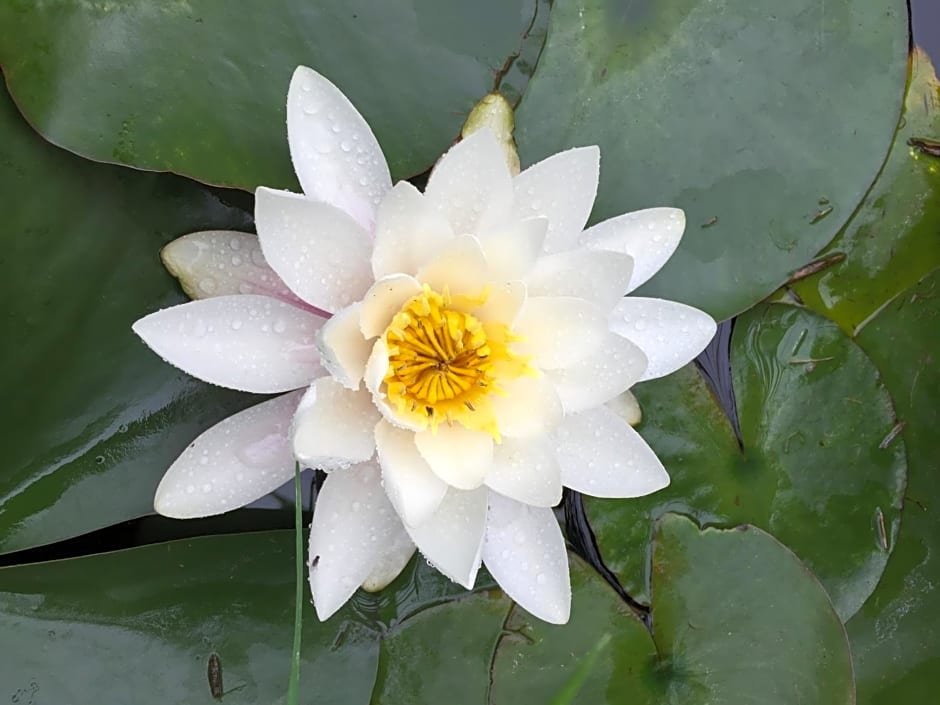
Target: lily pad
812,470
199,88
895,641
891,242
746,113
91,417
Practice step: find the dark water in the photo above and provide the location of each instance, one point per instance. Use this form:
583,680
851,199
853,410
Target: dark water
925,25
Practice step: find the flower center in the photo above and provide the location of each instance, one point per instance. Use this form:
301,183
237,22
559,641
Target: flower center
444,362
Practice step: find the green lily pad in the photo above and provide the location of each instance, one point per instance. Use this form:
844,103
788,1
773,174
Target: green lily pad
895,641
745,113
199,88
891,242
91,418
812,470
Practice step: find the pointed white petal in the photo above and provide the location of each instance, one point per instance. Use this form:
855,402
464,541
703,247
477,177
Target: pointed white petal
669,333
391,563
512,250
353,526
413,488
235,462
531,407
383,300
343,349
502,304
334,426
649,236
223,263
376,368
250,343
460,266
525,551
460,457
452,538
600,277
318,250
601,376
627,407
558,331
336,156
562,188
601,455
471,184
526,470
408,232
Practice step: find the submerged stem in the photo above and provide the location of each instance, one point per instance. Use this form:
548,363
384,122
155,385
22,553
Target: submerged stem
293,686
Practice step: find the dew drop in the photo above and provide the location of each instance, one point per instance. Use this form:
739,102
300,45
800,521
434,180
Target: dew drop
279,326
236,324
235,244
236,261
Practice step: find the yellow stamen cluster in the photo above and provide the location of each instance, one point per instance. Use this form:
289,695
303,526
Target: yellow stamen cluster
444,363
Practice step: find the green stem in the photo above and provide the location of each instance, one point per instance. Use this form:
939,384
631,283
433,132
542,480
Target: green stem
293,687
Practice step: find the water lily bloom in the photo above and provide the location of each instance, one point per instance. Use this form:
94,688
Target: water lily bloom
474,335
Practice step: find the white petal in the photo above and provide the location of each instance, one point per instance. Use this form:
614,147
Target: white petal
414,490
235,462
334,426
336,156
343,349
601,376
376,369
353,524
460,266
383,300
471,184
671,334
502,304
527,471
525,552
318,250
250,343
397,553
649,236
408,232
452,538
559,330
530,407
601,455
627,407
562,188
512,250
223,263
601,277
460,457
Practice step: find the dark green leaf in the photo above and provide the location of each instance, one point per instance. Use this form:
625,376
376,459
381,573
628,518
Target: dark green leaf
747,114
813,415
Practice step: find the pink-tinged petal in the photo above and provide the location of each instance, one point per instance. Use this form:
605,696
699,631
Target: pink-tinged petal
336,156
397,553
413,488
223,263
451,539
526,470
460,457
601,376
599,277
669,333
343,349
512,250
353,526
525,552
250,343
232,464
558,331
333,427
649,236
561,188
460,266
471,185
601,455
383,300
408,232
318,250
530,407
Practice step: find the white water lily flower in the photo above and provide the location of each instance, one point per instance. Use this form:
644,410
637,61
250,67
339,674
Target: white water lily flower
476,335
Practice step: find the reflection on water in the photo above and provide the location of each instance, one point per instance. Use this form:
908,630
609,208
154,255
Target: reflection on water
925,22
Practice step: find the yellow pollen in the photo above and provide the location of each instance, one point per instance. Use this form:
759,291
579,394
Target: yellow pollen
444,363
